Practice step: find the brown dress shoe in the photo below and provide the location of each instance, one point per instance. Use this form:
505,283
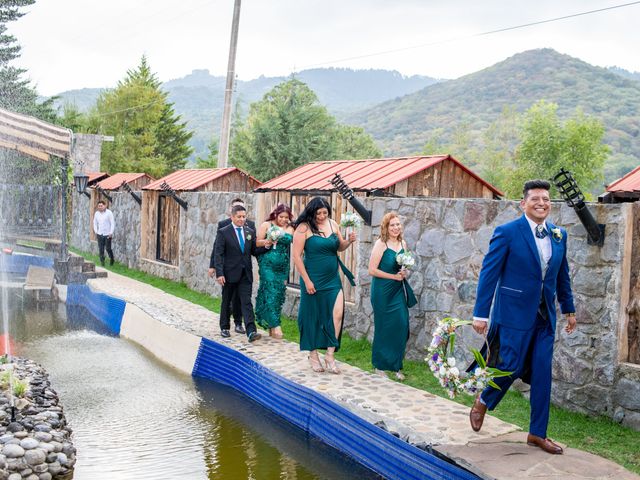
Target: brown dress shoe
476,416
545,444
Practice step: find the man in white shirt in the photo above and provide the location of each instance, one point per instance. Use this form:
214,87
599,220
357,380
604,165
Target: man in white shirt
523,273
103,226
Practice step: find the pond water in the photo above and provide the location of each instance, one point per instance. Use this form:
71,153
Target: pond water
135,418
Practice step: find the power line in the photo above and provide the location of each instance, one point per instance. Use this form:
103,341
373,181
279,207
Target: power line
475,35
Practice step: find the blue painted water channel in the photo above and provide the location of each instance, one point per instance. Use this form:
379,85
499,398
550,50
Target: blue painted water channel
135,418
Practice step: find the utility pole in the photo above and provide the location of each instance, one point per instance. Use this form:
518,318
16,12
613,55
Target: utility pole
223,156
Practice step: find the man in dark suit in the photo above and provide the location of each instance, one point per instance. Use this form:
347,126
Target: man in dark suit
234,246
523,272
235,301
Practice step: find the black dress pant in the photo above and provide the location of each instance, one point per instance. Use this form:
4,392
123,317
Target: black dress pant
236,309
242,290
104,241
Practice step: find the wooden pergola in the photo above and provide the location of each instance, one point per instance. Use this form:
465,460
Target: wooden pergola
39,140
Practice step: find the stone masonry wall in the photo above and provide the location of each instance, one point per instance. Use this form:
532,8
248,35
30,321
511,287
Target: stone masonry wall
450,238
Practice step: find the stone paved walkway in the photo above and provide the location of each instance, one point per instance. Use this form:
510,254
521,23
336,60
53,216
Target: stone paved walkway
417,416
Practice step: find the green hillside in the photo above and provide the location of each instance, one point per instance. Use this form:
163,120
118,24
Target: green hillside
403,125
198,97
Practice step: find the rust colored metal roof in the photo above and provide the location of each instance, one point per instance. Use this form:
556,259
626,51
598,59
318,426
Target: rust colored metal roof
95,177
628,183
192,179
363,175
114,182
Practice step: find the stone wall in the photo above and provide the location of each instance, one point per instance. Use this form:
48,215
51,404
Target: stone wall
85,155
450,238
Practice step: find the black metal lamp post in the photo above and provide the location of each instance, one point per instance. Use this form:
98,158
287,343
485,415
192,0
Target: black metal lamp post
80,181
571,193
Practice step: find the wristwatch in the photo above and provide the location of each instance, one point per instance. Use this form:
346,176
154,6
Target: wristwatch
570,314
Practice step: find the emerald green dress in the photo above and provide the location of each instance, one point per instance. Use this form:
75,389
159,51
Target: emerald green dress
315,313
274,271
391,300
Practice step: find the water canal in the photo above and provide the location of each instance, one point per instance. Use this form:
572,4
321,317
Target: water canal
135,418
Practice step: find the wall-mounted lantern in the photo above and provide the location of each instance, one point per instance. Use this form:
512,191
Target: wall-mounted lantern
571,193
80,181
347,192
127,188
172,193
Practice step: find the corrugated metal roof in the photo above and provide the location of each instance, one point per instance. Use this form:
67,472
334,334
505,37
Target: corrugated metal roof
115,181
364,175
95,177
629,183
192,179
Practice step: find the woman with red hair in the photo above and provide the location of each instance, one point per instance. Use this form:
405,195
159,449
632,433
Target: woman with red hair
275,234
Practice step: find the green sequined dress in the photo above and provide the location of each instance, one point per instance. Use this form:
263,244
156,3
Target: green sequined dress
274,271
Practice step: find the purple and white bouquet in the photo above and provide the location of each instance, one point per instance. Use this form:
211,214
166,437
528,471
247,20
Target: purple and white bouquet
442,362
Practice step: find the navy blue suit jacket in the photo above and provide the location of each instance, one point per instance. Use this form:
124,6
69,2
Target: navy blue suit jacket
511,277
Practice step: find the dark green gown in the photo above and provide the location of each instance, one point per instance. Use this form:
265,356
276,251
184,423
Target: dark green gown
390,300
274,271
315,313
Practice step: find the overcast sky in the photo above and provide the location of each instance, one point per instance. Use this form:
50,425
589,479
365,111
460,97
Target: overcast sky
71,44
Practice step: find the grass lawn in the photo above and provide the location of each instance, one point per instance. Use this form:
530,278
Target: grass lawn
598,435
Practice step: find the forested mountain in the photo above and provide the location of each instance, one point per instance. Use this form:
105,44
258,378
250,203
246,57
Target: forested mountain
404,125
625,73
198,97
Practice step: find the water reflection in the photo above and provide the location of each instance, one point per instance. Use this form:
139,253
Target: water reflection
135,418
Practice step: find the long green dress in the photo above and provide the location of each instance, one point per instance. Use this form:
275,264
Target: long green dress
390,300
315,313
274,271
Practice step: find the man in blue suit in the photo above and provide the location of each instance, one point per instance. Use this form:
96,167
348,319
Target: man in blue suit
523,272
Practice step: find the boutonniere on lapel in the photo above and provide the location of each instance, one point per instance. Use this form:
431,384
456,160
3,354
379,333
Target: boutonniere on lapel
556,233
248,236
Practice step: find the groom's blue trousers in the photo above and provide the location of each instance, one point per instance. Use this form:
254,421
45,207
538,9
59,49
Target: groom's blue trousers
521,351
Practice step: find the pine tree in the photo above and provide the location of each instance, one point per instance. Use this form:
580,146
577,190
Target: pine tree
148,134
16,93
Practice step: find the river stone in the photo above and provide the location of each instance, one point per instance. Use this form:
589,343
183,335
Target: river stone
14,476
35,457
62,459
21,435
12,450
57,446
54,468
47,447
26,472
33,476
41,468
42,427
6,437
29,443
15,427
43,436
45,476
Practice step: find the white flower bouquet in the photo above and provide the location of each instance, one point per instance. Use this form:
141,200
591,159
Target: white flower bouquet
275,233
406,260
351,220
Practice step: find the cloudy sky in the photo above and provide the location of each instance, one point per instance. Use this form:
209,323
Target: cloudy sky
89,43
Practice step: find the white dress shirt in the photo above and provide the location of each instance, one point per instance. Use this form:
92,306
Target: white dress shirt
543,245
103,223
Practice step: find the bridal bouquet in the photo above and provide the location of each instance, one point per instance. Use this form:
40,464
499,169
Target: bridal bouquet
406,260
275,233
351,219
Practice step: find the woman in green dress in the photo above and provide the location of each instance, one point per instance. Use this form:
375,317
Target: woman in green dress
274,269
321,297
391,297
